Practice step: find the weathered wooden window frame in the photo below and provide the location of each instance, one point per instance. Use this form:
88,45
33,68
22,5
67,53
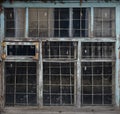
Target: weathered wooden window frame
79,47
21,57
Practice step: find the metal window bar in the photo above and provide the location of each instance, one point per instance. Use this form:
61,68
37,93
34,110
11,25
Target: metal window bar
97,83
21,84
98,50
60,49
58,83
14,22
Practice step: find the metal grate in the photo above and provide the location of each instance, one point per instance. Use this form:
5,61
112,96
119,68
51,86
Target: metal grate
60,50
58,83
97,83
104,22
98,50
21,85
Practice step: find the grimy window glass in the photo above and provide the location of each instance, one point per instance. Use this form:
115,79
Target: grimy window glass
104,22
38,22
98,50
81,19
58,83
61,50
14,22
61,22
21,84
21,50
97,83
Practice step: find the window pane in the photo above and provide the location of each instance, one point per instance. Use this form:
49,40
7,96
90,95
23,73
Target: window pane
59,49
98,50
81,17
21,86
97,85
61,22
58,84
104,22
14,22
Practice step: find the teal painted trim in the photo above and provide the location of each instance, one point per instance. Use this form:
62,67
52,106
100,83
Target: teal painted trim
2,26
62,5
92,21
26,23
117,97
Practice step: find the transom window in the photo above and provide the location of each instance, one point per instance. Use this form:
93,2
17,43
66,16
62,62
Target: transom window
60,50
98,50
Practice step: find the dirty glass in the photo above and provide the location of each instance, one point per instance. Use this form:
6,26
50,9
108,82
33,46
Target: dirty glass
61,22
97,84
104,22
60,49
81,18
20,83
14,22
21,50
58,84
98,50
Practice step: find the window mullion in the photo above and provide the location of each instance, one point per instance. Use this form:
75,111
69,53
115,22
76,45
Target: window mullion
70,22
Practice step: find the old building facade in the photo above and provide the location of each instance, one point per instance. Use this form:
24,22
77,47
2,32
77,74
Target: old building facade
60,53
